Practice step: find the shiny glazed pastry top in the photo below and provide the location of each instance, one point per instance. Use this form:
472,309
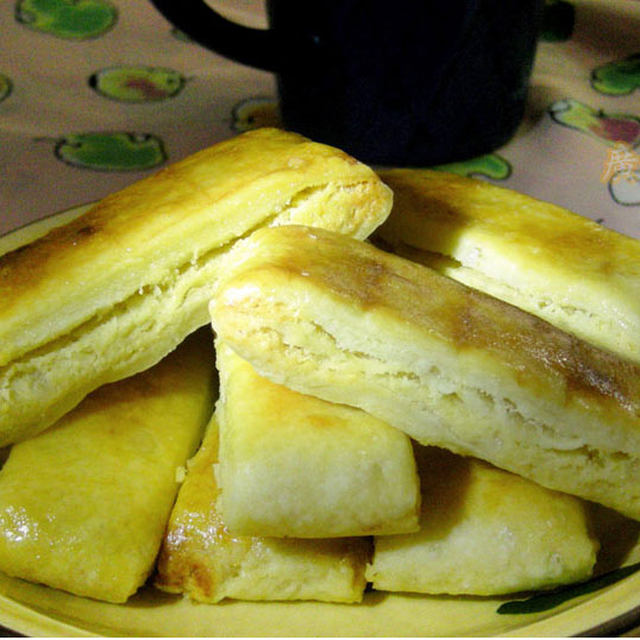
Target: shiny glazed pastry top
115,290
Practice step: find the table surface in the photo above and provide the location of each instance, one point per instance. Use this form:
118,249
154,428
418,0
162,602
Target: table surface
87,107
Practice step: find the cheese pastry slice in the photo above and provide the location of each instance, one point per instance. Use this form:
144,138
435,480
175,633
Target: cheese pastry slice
201,559
485,531
334,317
560,266
292,465
84,505
112,292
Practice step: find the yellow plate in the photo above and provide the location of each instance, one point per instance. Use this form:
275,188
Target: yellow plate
605,607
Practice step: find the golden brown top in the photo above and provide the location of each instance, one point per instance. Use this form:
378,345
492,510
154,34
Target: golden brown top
297,265
513,237
157,225
446,204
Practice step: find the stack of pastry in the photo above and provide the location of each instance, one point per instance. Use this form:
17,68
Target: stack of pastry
376,421
312,500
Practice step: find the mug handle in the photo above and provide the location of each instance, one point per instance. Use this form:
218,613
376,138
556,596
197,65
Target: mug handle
260,48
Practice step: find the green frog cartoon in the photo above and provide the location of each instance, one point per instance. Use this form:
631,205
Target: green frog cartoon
129,83
111,151
70,19
619,77
608,128
620,133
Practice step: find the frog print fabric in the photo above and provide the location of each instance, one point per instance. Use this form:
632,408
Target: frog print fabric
619,77
107,151
100,93
79,19
129,83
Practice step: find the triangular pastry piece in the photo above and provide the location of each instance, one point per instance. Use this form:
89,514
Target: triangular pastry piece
556,264
296,466
485,531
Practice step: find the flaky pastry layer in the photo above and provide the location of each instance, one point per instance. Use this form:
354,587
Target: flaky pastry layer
485,531
113,291
337,318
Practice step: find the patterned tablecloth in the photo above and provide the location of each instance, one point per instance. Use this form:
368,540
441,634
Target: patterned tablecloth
95,94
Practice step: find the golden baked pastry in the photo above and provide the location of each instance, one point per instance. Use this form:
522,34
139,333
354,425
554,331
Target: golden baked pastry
334,317
485,531
560,266
112,292
292,465
201,559
84,505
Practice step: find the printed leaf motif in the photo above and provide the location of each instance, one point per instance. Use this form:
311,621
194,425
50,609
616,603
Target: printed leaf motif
253,113
180,35
6,86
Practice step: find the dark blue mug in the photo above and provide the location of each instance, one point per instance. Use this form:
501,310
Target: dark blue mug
393,82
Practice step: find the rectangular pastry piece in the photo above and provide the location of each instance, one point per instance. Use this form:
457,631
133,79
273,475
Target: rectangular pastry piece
485,531
112,292
84,505
560,266
334,317
292,465
201,559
